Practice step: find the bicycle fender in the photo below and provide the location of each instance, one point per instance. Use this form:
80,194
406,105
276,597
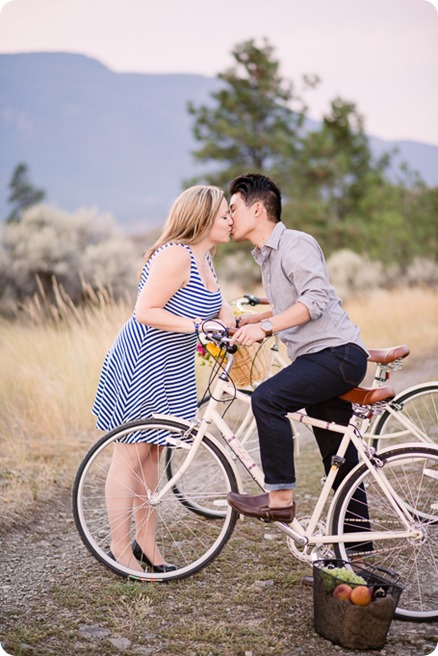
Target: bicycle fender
414,388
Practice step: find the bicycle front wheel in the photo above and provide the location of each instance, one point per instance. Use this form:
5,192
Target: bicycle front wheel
419,407
183,537
239,418
412,474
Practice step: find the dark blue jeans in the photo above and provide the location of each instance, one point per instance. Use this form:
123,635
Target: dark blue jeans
314,382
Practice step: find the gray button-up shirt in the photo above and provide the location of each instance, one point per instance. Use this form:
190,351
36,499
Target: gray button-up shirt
294,269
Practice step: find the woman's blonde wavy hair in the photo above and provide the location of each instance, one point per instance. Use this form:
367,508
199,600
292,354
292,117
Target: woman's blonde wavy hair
190,218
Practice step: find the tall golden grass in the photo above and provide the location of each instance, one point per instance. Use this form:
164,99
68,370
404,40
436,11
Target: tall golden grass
402,316
50,364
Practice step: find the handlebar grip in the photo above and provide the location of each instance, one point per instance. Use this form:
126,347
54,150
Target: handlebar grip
256,300
219,338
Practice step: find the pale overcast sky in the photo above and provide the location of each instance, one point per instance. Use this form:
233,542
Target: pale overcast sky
381,54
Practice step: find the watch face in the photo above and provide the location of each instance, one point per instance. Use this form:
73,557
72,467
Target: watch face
267,325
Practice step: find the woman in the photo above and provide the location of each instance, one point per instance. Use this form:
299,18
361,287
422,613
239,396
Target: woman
151,366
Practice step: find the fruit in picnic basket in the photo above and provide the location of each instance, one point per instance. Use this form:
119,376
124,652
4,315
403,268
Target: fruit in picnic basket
361,595
342,591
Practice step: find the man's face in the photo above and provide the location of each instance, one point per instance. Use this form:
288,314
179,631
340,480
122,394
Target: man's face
243,217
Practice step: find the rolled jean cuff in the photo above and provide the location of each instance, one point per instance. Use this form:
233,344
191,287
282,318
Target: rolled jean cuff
271,487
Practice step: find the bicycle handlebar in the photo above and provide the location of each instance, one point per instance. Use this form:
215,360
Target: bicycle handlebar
220,335
250,299
256,300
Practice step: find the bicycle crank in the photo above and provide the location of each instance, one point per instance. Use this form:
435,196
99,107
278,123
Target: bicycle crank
306,552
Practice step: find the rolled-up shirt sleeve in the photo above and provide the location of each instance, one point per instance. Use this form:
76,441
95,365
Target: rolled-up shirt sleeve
304,266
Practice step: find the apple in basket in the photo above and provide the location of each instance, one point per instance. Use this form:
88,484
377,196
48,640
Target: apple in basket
361,595
342,592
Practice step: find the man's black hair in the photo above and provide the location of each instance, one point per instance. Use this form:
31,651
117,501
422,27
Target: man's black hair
255,187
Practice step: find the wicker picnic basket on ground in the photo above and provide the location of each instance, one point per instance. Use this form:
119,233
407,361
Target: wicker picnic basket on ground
251,364
343,622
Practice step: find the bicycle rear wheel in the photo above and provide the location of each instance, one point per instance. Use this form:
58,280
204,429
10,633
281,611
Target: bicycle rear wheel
419,405
184,538
412,473
240,419
238,416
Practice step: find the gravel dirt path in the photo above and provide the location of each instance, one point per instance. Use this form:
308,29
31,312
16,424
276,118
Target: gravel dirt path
56,600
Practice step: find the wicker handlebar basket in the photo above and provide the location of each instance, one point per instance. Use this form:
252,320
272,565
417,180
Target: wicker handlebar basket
251,365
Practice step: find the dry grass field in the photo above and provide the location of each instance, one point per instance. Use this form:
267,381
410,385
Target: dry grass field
50,370
57,599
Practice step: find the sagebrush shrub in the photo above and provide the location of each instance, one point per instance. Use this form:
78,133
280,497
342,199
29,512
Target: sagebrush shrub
353,273
350,272
50,243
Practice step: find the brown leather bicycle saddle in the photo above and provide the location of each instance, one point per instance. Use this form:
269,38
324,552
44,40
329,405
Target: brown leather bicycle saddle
387,355
368,395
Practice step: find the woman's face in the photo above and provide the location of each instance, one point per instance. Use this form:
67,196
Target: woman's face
221,229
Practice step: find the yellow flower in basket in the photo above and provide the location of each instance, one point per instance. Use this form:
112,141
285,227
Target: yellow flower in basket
208,351
215,350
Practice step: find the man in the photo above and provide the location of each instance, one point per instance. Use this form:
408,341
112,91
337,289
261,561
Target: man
328,357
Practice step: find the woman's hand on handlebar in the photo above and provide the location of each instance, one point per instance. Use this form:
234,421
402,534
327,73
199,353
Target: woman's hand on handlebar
226,316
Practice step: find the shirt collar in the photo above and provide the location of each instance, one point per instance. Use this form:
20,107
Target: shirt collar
260,254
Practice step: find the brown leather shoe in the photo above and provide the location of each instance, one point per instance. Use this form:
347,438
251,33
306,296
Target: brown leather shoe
308,580
258,506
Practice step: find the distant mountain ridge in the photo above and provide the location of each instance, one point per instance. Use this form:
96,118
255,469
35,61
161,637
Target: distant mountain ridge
121,142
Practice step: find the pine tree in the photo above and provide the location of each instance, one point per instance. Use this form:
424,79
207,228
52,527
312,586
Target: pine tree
256,119
22,193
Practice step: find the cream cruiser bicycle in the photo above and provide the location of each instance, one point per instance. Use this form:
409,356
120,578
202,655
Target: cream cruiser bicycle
197,470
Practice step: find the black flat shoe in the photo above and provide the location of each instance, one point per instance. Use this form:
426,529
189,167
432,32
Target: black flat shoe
142,558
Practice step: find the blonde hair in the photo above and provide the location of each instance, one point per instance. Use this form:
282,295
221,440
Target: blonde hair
190,218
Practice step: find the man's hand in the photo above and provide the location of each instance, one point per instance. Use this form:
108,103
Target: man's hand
248,334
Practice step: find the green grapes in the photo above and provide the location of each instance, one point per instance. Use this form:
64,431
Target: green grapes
343,574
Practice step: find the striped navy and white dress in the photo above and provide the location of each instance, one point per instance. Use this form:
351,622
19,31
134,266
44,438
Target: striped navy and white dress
150,371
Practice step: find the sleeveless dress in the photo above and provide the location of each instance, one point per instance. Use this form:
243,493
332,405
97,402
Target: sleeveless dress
148,370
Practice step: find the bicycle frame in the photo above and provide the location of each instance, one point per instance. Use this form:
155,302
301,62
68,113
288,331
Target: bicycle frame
301,535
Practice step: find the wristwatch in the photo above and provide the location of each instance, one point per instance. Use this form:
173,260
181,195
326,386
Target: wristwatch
267,327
